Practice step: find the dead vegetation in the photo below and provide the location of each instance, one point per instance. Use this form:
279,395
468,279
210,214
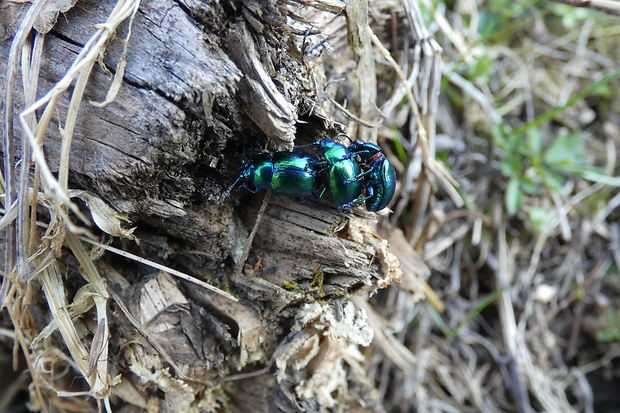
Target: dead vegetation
502,240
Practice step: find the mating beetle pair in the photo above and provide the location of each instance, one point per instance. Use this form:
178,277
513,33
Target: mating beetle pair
346,171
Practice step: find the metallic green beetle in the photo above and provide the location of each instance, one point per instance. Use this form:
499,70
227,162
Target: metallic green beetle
295,174
343,171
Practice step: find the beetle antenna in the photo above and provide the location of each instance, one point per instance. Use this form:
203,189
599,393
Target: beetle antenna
230,188
307,145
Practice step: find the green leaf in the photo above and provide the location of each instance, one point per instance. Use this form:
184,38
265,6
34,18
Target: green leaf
528,186
535,141
603,179
488,23
487,301
445,329
552,180
500,136
566,151
509,167
400,150
611,332
567,155
540,219
480,68
513,196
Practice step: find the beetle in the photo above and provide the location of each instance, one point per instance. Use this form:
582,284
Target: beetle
342,172
378,175
346,171
295,174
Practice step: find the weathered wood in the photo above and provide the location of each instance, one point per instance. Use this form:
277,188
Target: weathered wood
274,115
198,87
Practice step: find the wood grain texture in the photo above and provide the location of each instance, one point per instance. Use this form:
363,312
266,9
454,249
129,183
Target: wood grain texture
202,85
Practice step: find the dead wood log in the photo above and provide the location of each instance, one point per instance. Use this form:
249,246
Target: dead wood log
203,83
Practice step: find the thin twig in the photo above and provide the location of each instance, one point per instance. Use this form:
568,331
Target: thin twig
155,265
248,244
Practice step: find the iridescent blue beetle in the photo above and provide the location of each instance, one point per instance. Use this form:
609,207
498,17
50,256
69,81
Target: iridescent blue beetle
295,174
378,175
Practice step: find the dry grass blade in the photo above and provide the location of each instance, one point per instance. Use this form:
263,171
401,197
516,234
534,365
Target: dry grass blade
393,349
8,216
13,303
8,141
155,265
435,167
93,368
9,183
607,6
512,340
80,70
358,33
51,280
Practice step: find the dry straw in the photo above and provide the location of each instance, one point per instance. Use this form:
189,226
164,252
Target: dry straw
36,257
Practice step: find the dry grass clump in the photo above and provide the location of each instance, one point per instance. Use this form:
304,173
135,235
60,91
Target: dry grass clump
24,194
527,271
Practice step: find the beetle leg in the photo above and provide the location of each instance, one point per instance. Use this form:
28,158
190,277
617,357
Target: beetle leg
252,190
354,202
358,177
323,192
